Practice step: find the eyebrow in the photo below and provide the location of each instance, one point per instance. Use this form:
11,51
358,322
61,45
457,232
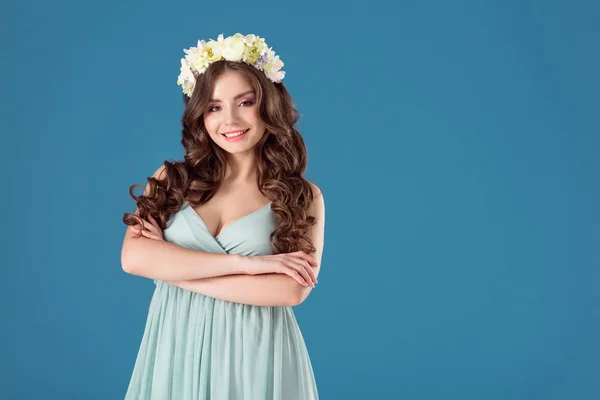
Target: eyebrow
235,98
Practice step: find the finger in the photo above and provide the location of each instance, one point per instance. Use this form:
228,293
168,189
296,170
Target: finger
134,231
149,226
153,221
155,227
306,272
301,269
311,272
145,232
308,268
150,235
286,268
136,228
305,265
292,273
308,258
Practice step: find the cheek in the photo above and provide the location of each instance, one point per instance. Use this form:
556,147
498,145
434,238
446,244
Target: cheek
210,123
252,115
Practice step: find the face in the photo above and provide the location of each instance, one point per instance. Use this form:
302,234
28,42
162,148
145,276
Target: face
232,107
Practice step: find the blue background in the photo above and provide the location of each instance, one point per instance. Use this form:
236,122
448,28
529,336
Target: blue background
456,145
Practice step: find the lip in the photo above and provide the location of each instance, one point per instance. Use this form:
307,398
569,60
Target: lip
235,131
237,138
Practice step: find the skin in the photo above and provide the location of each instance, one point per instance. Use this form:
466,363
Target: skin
233,107
238,196
233,114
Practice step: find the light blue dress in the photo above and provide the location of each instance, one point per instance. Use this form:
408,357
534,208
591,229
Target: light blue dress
196,347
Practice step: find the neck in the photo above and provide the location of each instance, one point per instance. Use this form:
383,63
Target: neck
240,169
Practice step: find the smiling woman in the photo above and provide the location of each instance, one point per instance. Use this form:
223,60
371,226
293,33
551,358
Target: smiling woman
234,120
232,236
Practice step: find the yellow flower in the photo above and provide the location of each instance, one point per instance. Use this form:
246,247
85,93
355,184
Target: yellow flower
213,51
252,54
250,49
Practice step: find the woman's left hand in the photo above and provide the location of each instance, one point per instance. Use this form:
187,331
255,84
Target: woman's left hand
151,229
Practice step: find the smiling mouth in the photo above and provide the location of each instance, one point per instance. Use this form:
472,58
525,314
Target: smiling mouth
229,135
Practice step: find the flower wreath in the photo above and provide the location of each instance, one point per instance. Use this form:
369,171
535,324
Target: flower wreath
250,49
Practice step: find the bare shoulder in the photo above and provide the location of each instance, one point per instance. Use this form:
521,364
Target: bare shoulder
315,189
318,205
317,231
160,173
130,237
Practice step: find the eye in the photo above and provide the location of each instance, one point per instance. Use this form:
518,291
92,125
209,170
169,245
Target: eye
250,102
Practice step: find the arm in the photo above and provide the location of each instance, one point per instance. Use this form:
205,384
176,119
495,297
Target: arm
167,261
265,289
317,236
258,290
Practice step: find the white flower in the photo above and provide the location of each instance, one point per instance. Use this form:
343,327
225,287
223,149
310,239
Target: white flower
197,62
260,44
196,50
272,70
186,78
274,75
196,57
250,49
249,39
233,48
214,49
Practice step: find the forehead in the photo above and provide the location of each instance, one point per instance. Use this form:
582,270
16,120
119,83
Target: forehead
230,84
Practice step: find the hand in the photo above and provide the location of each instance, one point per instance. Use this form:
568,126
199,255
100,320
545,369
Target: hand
297,265
151,229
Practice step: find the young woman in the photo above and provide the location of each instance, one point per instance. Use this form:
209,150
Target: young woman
232,236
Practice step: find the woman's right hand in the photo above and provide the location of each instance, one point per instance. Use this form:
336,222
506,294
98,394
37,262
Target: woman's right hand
297,265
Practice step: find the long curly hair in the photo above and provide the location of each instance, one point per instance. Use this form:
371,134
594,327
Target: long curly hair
280,154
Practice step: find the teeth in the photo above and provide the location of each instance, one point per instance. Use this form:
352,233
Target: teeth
236,134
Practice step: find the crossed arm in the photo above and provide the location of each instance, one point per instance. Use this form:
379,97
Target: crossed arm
264,289
259,290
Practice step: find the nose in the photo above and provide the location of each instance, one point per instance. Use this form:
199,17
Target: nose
231,116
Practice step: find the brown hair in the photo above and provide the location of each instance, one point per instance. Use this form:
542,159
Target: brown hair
280,153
